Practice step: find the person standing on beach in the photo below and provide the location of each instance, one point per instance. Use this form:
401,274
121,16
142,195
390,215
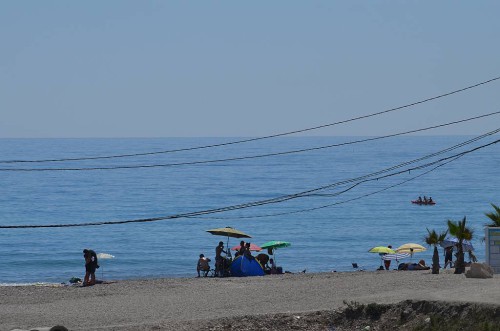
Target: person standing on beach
90,267
448,257
219,260
387,263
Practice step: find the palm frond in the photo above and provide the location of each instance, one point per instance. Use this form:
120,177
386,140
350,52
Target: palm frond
433,238
494,216
460,230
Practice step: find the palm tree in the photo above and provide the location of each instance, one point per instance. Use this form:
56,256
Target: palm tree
434,239
494,216
461,232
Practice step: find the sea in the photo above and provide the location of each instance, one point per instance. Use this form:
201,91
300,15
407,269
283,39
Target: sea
332,198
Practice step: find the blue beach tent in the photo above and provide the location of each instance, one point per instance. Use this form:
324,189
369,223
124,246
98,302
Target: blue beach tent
243,266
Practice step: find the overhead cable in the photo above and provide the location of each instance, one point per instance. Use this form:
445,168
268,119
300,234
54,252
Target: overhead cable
277,199
333,195
263,137
252,156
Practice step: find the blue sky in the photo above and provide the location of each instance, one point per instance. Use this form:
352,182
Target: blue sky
227,68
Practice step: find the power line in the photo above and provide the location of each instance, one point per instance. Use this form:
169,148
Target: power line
253,156
264,137
337,194
277,199
306,193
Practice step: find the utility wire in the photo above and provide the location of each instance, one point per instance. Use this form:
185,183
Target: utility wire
264,137
335,194
267,201
253,156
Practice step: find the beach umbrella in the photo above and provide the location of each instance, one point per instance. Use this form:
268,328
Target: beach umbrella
253,248
104,256
381,250
396,256
411,248
275,244
229,232
466,245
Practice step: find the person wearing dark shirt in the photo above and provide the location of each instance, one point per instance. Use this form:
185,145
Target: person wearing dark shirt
91,265
219,260
241,250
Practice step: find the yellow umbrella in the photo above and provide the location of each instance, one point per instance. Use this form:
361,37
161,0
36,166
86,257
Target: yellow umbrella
382,250
229,232
410,248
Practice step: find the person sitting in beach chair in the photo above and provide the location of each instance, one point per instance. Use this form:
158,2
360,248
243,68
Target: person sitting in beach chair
203,265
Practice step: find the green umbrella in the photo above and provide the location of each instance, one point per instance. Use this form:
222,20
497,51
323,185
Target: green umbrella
274,244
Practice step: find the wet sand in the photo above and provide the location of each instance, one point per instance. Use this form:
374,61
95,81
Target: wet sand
184,303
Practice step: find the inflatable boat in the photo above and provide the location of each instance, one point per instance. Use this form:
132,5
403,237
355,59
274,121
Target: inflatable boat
423,202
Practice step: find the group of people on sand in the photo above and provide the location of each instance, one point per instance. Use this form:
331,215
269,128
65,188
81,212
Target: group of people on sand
404,266
448,261
267,263
222,262
244,250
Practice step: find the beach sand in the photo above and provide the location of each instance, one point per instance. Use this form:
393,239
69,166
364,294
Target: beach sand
188,303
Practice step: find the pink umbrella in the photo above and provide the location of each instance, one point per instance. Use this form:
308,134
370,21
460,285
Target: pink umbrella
253,247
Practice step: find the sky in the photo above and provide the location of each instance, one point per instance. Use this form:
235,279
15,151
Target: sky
238,69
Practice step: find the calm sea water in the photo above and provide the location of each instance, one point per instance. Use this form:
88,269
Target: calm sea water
323,239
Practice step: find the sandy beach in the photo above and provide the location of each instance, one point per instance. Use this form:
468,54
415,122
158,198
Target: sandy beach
164,304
